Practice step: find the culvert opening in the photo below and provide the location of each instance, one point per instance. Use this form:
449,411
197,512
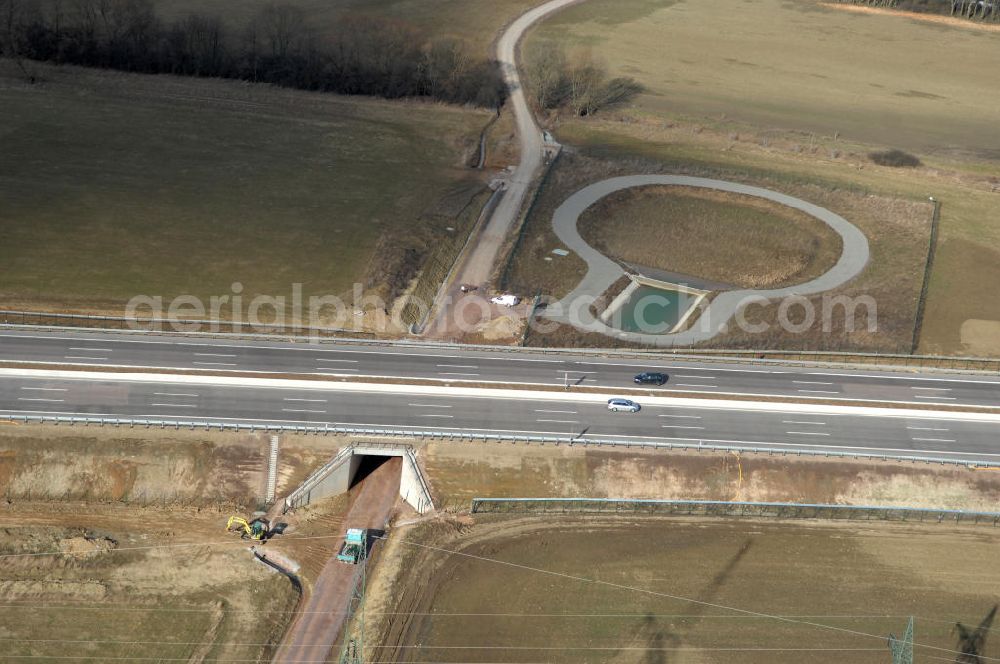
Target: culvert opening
367,464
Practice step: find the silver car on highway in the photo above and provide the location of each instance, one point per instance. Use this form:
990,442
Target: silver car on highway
626,405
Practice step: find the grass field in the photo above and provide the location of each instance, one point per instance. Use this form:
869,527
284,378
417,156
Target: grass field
117,185
803,119
729,238
876,79
574,589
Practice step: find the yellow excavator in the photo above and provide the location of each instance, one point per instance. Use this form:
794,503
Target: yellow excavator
258,529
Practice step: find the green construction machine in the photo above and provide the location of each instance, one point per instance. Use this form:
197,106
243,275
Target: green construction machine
354,547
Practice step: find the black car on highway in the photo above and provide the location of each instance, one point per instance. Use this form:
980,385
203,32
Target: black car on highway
650,378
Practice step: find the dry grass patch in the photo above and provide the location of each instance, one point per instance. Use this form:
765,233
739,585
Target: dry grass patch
514,587
715,235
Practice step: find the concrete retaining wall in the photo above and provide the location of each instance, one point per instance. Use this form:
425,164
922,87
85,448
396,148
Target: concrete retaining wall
336,476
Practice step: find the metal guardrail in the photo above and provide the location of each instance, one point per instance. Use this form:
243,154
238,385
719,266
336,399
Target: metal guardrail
496,436
726,508
887,361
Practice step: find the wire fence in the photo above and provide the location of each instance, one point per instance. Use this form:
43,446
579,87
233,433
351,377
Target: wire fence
763,357
690,445
729,509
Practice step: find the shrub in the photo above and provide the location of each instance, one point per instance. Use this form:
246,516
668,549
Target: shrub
895,158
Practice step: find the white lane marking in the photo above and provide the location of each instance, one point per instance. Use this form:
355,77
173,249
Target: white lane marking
216,364
802,422
82,357
818,392
939,389
444,416
302,410
174,394
458,366
428,405
320,359
45,389
38,399
926,429
559,421
567,412
174,405
216,354
932,396
693,385
807,433
453,373
810,382
335,370
309,400
678,426
683,417
683,376
93,350
935,440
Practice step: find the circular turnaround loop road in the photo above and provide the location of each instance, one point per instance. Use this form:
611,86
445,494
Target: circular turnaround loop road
602,272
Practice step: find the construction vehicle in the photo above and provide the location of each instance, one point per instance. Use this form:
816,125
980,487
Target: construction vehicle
353,548
258,529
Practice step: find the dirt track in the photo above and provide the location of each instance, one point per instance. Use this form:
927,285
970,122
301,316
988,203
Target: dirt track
313,635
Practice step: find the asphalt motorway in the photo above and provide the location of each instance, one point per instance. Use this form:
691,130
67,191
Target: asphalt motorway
203,400
472,366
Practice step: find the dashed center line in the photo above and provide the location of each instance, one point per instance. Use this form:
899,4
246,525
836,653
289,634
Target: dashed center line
335,369
559,421
348,361
93,350
174,405
926,429
937,389
810,382
38,399
935,440
453,373
818,392
694,385
566,412
309,400
695,377
302,410
428,405
807,433
45,389
802,422
457,366
174,394
932,396
678,426
683,417
216,364
215,354
82,357
444,416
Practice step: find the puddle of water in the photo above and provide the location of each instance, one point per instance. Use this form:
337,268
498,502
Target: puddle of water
652,310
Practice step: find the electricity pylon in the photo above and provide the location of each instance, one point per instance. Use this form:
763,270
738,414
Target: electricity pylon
902,648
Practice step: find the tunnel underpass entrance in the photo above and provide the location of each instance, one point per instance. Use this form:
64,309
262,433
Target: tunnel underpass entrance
356,463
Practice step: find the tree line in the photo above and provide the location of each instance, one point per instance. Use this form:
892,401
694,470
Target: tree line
364,56
577,83
982,10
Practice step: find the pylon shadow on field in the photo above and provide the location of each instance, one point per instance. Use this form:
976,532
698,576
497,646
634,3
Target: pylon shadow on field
971,642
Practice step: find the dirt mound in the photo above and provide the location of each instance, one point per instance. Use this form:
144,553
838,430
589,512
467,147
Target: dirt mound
86,545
